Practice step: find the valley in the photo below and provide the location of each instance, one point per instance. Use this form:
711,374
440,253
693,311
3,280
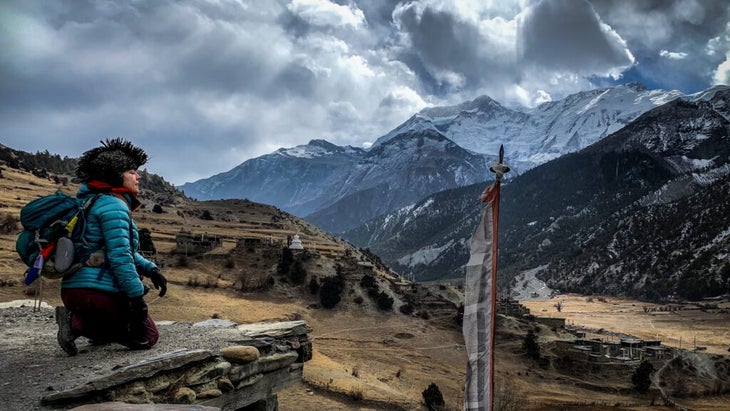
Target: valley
366,358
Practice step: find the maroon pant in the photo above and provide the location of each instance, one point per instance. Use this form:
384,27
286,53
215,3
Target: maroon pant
105,317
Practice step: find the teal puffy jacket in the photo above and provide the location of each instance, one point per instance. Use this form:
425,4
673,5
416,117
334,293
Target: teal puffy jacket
109,227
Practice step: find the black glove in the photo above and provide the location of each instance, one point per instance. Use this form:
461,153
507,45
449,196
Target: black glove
158,280
138,308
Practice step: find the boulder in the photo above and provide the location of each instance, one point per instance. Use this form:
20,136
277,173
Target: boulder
240,354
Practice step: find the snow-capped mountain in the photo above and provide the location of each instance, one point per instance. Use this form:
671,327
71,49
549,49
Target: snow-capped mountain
339,188
400,172
536,135
300,180
643,212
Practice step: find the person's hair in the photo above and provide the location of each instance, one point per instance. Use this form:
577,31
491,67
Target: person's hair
109,161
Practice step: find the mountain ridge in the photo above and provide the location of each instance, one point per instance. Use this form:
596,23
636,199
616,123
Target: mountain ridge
548,211
320,180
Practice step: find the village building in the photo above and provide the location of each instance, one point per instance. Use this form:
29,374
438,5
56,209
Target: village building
512,308
623,349
190,244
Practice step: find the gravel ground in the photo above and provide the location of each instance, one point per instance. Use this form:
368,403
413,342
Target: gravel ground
33,365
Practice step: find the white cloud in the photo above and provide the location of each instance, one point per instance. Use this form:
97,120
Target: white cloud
720,46
673,55
649,28
722,74
398,104
325,13
542,97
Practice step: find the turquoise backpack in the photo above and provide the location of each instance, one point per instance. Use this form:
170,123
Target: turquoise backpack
52,225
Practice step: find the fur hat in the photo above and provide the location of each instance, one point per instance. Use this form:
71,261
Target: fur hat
108,162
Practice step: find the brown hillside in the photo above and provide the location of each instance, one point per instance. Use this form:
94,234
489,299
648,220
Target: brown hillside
364,357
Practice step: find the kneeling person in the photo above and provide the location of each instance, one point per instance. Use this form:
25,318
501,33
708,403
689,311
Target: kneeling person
104,300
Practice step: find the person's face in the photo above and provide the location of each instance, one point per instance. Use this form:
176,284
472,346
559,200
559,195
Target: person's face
131,181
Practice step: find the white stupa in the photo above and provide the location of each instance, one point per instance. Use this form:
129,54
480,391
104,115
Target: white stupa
296,243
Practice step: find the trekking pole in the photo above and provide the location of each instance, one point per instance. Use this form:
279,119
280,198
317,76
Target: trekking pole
37,299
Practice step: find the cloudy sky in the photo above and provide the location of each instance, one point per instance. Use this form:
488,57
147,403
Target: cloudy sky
204,85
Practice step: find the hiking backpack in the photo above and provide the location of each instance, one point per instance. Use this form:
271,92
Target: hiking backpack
52,227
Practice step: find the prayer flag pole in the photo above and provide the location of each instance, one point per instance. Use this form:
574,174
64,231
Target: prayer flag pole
480,298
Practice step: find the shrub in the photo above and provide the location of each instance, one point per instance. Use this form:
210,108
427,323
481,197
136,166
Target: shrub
459,317
373,293
145,241
205,215
530,345
285,262
157,209
356,394
8,283
641,378
297,273
229,263
433,398
255,280
313,286
407,309
331,290
210,282
182,260
385,302
368,281
8,223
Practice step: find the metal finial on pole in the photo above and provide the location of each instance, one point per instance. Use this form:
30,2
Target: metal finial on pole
499,168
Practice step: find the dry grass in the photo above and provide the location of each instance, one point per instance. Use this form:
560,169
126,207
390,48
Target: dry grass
681,328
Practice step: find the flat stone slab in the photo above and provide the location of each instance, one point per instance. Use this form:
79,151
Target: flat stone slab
121,406
275,330
215,322
141,370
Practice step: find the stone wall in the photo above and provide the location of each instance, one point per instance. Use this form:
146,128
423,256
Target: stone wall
247,375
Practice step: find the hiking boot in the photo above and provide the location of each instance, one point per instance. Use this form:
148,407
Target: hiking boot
66,336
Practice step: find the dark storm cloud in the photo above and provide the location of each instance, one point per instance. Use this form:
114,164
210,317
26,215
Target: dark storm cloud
567,35
440,38
449,50
677,27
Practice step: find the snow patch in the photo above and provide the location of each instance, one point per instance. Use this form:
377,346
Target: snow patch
528,286
424,255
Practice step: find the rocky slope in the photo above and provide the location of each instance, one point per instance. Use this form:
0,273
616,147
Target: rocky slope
601,218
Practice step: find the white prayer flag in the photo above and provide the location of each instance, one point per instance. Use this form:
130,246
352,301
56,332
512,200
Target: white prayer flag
480,305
